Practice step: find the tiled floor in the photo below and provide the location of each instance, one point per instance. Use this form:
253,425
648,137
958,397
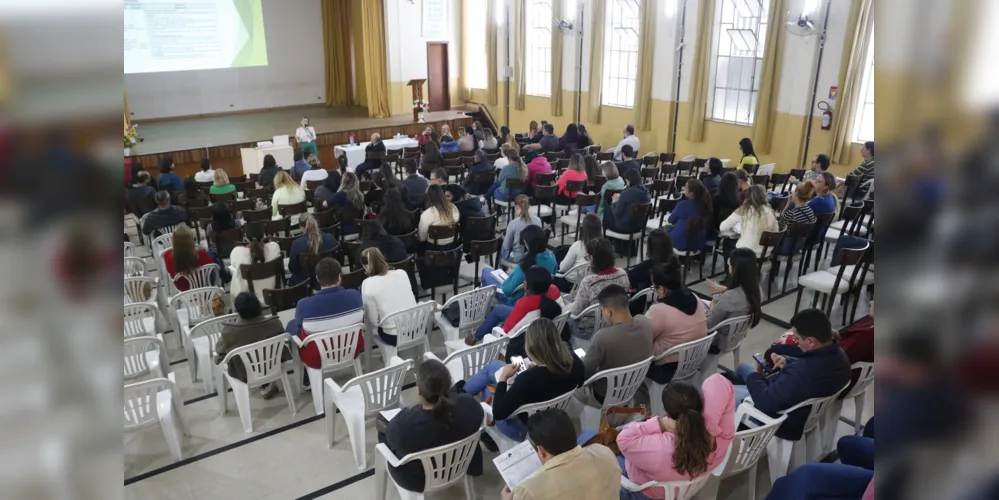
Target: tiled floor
287,456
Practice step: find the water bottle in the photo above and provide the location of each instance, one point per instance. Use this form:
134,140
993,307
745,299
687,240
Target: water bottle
351,139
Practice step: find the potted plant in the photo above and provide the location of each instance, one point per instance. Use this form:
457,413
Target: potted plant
131,138
420,106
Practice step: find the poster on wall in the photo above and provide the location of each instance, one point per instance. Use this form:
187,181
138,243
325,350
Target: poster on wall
436,19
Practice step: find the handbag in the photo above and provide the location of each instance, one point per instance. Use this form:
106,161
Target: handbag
615,417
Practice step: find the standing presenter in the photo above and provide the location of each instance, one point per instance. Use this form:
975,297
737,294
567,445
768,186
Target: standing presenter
306,137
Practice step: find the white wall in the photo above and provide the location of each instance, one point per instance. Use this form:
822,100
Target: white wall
407,48
294,75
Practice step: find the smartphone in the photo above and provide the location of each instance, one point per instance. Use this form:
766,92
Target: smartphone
763,362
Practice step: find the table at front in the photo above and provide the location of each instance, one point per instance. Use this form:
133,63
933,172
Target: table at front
253,158
355,154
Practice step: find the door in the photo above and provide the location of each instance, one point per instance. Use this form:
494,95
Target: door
439,95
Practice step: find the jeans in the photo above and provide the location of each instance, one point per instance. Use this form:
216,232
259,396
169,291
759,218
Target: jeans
388,338
512,427
857,451
364,168
495,318
741,391
627,494
492,189
822,481
847,241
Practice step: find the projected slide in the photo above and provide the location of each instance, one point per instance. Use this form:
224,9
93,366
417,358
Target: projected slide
162,35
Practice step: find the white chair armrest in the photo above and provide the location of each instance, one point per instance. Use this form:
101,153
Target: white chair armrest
429,355
487,409
298,341
489,338
499,332
389,456
631,486
396,360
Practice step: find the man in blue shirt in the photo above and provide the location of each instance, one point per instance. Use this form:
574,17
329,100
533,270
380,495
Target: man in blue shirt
301,166
168,179
549,142
824,201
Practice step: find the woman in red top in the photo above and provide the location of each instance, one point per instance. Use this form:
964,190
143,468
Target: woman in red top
185,257
576,172
539,295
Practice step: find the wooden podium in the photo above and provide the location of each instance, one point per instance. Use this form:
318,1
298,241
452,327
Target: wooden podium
417,85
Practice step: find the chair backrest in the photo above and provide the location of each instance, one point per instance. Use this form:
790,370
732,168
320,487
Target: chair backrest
473,306
165,230
262,360
140,401
135,266
622,382
577,273
129,249
445,465
139,288
649,294
736,330
380,389
440,232
866,378
467,362
161,243
282,299
816,409
204,276
412,324
336,347
690,356
197,303
135,350
598,318
749,445
558,403
262,271
560,321
353,280
212,328
256,215
766,169
138,317
675,490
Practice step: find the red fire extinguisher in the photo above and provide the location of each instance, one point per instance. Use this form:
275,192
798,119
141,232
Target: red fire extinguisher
827,115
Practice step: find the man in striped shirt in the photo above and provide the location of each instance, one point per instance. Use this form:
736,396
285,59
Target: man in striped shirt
865,171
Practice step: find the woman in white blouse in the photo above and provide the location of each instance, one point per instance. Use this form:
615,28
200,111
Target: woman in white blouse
306,137
749,221
286,192
383,292
589,228
439,212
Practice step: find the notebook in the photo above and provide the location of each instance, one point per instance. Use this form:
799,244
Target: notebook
517,464
500,275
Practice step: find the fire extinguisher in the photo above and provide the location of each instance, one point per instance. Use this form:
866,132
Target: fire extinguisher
827,115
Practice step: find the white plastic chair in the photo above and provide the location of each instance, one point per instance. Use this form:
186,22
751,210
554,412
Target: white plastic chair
262,362
473,306
649,294
784,455
505,443
152,402
622,384
144,355
598,323
576,274
766,169
747,447
140,320
161,243
204,337
129,249
202,277
363,396
337,351
443,466
135,289
560,321
856,393
190,308
736,330
412,325
675,490
518,330
466,362
134,266
690,356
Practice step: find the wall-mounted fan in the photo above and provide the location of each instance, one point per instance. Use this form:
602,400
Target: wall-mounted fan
802,24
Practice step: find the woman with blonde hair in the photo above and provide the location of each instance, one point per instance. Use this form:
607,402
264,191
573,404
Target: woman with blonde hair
221,185
513,249
185,256
286,192
384,291
349,195
313,240
796,211
439,212
446,134
614,182
748,222
488,139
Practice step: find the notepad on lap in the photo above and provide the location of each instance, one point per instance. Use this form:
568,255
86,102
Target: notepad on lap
517,464
500,275
390,414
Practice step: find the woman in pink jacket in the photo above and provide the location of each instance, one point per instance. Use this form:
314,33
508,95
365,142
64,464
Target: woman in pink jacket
539,165
692,440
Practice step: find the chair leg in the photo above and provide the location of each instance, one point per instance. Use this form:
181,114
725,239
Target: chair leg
241,393
797,302
628,258
316,381
330,417
787,273
751,482
858,412
355,430
381,477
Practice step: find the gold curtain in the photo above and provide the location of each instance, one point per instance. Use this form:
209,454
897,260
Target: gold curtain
557,41
773,59
519,54
646,63
492,87
851,75
375,64
128,121
336,47
596,59
701,70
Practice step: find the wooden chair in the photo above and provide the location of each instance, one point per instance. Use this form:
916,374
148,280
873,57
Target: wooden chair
695,227
283,299
325,218
350,254
638,212
777,203
293,209
262,194
553,156
285,244
544,179
650,160
312,185
226,240
485,248
239,206
664,208
255,272
572,220
309,261
353,279
511,186
237,179
244,187
601,157
408,265
410,240
478,228
544,199
779,180
436,233
798,234
761,180
445,261
667,158
275,227
223,197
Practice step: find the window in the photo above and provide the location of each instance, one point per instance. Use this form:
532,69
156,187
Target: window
538,65
476,32
863,127
741,31
621,52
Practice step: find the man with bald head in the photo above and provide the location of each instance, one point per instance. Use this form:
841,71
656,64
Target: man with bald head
373,153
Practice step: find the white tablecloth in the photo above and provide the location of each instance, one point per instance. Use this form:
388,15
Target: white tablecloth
253,158
355,154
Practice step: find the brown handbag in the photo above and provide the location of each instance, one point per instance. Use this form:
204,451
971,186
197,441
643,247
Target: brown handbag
619,415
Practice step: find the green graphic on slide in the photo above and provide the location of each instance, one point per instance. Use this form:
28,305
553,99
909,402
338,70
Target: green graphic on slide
254,49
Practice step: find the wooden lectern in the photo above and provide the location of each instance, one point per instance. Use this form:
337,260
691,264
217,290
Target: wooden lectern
417,86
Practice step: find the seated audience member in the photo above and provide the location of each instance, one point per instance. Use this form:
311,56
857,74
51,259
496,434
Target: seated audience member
165,214
373,153
618,218
825,201
696,202
466,141
535,253
539,165
744,183
315,173
168,179
439,418
589,229
741,294
504,159
513,248
614,182
548,141
393,216
866,167
628,162
534,132
431,158
468,206
190,192
748,153
515,169
136,168
206,174
724,200
140,192
373,235
414,182
270,168
222,220
754,217
819,164
575,138
429,134
480,167
349,196
825,480
593,171
331,308
711,182
438,177
554,371
677,317
184,257
329,188
384,291
221,184
379,183
489,140
251,326
659,252
689,442
629,139
568,470
313,240
821,371
439,212
627,340
257,252
603,273
286,192
575,173
300,167
445,134
450,146
796,211
540,296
